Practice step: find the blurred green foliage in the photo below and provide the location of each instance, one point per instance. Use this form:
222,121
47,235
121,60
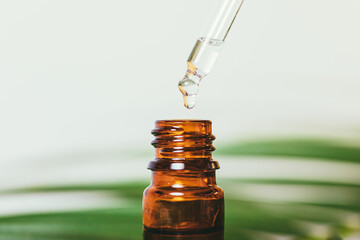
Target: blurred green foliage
246,219
299,148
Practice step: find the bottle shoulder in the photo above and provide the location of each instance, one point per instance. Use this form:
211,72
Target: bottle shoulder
168,192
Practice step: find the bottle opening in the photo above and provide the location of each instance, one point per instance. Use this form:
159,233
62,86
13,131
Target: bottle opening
182,127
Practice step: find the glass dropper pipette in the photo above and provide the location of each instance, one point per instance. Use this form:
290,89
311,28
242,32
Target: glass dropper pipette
207,48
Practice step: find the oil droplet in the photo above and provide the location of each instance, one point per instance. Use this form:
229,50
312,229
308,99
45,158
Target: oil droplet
189,89
189,101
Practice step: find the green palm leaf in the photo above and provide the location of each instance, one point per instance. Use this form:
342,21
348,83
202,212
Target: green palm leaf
299,148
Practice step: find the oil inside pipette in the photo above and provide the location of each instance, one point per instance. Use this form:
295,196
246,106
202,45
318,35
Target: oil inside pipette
199,65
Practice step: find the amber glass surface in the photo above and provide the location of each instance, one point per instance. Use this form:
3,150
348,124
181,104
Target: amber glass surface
183,201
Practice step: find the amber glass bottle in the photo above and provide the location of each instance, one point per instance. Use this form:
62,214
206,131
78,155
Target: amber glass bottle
183,201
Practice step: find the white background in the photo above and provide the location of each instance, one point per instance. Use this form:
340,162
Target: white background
85,76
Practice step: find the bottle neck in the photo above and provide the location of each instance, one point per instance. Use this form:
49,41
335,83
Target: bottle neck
183,179
183,145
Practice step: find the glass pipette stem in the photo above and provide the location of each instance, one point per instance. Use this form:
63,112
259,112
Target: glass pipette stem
222,19
207,48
